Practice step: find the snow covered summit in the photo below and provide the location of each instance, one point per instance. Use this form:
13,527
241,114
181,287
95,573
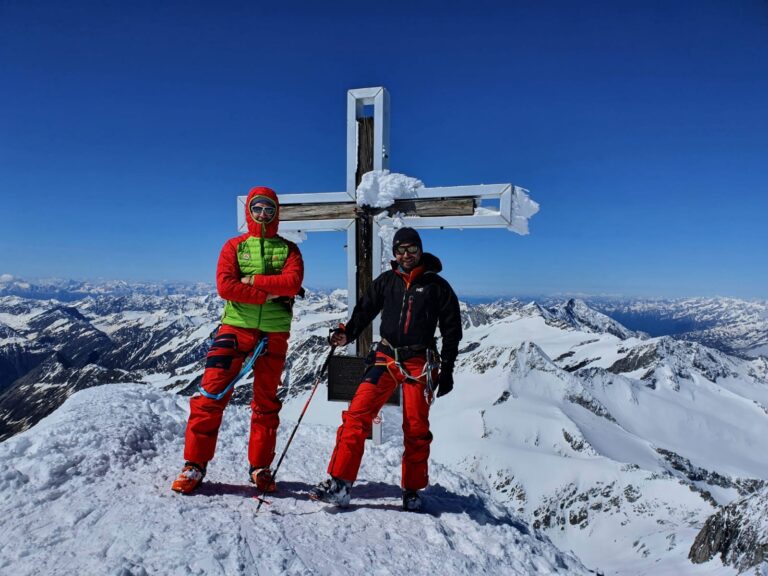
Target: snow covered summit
86,491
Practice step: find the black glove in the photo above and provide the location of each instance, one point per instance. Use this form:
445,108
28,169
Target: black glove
444,382
335,333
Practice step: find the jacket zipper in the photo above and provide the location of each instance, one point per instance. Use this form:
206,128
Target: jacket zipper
402,306
264,269
408,315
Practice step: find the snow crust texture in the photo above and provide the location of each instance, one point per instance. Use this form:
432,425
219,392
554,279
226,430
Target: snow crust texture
87,492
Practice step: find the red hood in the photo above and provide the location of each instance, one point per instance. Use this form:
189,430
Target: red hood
255,228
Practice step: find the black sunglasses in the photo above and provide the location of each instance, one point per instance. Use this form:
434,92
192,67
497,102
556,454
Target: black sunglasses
412,249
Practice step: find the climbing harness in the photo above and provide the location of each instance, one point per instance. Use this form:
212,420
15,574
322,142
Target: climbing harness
261,348
400,355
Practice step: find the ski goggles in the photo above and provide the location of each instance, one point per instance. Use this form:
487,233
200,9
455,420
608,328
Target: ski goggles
412,249
262,206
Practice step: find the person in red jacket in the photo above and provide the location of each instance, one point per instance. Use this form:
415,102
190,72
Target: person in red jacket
258,274
413,300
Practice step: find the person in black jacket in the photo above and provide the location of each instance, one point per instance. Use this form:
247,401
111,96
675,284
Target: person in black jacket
413,300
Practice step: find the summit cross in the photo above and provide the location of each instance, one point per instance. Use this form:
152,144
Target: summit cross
507,206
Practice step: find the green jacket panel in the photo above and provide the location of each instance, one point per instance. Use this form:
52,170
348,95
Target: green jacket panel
260,256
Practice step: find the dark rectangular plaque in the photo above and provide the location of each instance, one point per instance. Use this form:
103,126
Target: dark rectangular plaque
344,376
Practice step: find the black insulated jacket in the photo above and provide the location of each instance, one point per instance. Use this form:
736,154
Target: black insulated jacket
412,306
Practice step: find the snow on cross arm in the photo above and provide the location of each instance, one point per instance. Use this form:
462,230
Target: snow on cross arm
523,208
380,188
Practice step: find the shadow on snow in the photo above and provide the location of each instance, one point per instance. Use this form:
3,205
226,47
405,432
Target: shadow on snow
437,500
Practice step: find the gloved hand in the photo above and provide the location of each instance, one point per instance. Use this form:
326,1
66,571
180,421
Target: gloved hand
337,337
444,382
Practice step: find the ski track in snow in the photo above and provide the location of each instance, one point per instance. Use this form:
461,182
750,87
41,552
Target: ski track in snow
87,491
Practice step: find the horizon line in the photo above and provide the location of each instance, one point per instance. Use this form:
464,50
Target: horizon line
10,278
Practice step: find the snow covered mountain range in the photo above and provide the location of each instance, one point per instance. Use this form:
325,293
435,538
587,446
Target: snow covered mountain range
738,327
50,349
570,443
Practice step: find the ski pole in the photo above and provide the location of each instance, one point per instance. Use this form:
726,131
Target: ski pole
295,428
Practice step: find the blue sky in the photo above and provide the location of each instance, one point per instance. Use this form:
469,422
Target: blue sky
641,128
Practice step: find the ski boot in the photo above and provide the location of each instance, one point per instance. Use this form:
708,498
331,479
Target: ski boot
412,501
263,479
189,479
332,491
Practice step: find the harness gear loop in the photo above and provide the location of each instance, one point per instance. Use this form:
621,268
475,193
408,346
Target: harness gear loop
261,348
432,361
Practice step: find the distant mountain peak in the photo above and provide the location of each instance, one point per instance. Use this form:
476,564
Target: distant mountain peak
577,314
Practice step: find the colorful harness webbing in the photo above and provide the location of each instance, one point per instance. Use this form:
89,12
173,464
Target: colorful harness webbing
432,362
261,348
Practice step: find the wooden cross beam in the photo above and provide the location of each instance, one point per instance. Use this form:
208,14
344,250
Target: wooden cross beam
410,207
367,150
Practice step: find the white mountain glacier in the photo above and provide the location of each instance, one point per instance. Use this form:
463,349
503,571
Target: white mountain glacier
54,349
72,290
564,428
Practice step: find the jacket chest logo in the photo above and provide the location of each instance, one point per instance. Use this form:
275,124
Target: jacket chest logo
246,256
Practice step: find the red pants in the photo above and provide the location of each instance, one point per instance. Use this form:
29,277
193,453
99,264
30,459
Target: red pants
225,359
371,395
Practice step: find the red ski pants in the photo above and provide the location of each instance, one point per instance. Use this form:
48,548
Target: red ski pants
225,359
377,386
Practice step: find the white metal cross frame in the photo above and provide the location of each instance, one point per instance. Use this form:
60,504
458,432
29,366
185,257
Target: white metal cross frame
501,213
506,200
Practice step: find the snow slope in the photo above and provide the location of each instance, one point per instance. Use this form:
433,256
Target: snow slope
86,491
617,446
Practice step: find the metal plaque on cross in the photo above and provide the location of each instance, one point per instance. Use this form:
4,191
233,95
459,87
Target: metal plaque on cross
345,374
